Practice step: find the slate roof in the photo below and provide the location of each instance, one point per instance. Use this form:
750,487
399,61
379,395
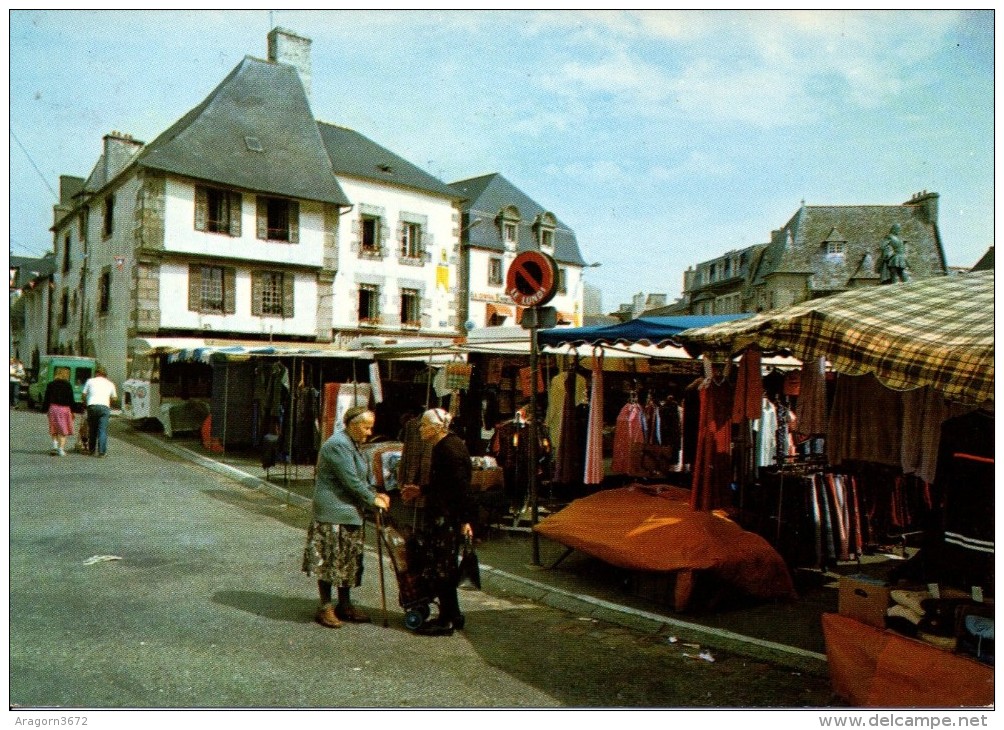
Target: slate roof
986,263
29,269
799,247
354,155
487,195
264,101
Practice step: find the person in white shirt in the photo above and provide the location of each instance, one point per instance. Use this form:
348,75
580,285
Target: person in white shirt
99,392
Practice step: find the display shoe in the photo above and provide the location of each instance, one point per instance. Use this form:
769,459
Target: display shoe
326,617
352,614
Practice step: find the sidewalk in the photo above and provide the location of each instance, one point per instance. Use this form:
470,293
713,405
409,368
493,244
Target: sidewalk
785,633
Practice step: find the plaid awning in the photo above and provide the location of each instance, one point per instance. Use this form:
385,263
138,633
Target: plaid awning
937,332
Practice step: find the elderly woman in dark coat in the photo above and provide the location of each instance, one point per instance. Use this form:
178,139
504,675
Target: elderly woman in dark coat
449,513
343,490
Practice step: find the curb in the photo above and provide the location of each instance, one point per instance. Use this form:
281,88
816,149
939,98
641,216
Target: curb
503,582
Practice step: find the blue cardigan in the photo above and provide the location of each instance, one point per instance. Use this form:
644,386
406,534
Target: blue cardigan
343,488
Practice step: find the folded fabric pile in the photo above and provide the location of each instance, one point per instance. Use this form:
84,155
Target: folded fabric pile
952,621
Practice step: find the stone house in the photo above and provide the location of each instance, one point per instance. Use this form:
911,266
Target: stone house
821,250
499,221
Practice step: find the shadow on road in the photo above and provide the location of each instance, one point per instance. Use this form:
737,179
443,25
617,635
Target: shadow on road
292,609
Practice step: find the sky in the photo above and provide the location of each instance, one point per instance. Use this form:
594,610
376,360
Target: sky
661,138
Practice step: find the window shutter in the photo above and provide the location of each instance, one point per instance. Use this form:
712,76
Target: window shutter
229,296
287,294
262,213
257,293
294,222
384,243
194,288
201,207
235,215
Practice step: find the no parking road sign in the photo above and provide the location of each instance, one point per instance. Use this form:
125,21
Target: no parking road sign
532,279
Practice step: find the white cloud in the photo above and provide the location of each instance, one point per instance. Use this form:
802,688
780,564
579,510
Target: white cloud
764,68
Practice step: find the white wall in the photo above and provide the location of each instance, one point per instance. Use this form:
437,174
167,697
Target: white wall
440,241
174,312
179,222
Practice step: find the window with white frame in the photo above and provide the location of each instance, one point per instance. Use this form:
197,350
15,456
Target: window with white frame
411,308
510,232
411,240
369,304
494,272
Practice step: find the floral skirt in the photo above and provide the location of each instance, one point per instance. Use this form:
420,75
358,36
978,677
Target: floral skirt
432,554
334,553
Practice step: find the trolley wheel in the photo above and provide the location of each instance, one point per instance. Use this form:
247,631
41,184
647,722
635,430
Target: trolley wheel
413,617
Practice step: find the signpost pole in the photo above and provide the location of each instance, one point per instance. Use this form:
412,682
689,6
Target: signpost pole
534,537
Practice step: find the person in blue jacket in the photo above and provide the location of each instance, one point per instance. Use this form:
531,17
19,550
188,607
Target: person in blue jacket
343,490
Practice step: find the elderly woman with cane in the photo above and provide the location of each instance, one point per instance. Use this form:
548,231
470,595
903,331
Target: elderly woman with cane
342,491
449,513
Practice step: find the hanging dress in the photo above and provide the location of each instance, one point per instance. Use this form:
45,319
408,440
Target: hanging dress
594,432
713,461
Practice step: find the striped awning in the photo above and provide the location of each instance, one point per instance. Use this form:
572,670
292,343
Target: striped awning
936,332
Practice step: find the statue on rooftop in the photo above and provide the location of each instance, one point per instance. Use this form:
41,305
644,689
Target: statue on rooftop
892,263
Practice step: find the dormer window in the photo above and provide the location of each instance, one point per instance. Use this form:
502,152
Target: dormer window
508,220
544,228
835,244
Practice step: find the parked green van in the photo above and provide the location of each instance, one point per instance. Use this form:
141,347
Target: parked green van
81,368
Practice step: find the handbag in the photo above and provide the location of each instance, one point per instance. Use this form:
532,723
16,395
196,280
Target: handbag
469,570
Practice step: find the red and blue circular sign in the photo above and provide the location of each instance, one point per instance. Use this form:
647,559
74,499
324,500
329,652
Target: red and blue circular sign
532,279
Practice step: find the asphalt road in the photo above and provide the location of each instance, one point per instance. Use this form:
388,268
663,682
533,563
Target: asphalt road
205,606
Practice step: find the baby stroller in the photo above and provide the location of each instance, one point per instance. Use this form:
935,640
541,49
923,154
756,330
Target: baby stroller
414,595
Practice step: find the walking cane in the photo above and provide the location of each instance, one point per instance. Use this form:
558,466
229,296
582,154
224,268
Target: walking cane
383,592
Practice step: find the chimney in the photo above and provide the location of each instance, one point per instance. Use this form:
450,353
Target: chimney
119,151
68,187
928,203
284,46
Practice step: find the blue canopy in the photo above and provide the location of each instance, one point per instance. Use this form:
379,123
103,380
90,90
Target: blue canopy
658,331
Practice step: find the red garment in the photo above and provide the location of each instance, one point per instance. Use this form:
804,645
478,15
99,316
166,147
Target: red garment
628,431
713,463
748,402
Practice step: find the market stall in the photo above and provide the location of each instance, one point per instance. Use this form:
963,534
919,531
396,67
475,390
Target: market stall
657,528
912,399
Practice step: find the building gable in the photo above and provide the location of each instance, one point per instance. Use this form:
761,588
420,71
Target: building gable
255,131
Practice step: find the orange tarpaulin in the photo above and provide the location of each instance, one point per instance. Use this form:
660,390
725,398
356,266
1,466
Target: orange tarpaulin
870,667
655,529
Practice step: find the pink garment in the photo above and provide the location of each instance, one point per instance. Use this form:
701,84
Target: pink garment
594,431
748,401
628,431
60,421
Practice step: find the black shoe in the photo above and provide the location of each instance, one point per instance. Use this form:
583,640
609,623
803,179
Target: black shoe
434,628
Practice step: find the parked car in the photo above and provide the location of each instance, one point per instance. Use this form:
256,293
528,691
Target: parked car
81,368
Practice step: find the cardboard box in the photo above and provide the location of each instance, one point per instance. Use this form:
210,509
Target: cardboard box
863,599
483,480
